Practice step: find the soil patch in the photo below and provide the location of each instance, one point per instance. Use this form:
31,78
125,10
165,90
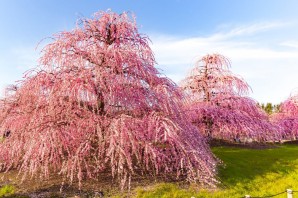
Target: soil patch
105,186
295,142
252,145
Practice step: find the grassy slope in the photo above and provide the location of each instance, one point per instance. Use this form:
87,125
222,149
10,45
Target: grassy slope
246,171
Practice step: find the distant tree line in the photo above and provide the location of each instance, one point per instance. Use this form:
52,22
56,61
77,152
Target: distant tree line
270,108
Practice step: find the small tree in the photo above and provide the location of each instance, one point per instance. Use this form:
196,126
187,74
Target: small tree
95,104
219,106
269,108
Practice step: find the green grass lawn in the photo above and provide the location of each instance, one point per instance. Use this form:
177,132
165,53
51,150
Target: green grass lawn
245,171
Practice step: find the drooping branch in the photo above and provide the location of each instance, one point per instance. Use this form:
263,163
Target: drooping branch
219,106
96,104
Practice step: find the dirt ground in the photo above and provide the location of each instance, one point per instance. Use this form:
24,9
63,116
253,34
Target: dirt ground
253,145
54,187
105,187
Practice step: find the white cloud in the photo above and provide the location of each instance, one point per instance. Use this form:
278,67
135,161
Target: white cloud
268,67
292,44
264,54
246,30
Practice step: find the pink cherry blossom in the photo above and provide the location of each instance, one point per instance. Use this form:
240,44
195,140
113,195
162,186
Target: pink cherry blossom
287,118
220,107
95,104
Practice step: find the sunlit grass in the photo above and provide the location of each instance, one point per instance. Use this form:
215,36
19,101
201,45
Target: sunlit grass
7,190
245,171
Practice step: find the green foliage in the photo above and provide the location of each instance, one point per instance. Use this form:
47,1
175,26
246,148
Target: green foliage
245,171
269,108
7,190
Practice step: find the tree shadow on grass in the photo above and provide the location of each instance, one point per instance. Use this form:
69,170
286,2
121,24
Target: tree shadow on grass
241,165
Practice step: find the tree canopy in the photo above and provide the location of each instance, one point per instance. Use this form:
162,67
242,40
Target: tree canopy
96,103
220,107
287,117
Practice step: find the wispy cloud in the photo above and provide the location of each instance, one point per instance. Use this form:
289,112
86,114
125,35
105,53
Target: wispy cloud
262,53
255,52
292,44
247,30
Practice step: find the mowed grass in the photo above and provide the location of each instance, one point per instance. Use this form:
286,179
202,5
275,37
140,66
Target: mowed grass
245,171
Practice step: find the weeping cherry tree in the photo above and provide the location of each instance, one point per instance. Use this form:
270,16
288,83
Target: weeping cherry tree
96,104
220,107
287,117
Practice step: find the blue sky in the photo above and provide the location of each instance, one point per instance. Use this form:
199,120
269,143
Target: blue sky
260,37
